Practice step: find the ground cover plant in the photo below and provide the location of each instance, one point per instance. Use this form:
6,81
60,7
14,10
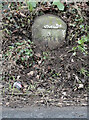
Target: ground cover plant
52,77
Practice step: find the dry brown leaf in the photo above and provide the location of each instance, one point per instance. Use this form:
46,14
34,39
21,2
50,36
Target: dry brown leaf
22,15
30,73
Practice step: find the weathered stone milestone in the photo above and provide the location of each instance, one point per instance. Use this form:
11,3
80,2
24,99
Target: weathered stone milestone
48,31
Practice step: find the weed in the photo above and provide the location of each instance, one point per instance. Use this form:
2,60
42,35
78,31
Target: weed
10,86
31,4
45,55
54,74
84,72
58,4
81,45
21,51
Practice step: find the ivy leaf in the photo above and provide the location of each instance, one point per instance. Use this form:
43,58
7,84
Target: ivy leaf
59,4
80,42
31,4
81,48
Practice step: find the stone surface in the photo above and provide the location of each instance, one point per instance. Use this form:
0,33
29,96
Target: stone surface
48,30
46,112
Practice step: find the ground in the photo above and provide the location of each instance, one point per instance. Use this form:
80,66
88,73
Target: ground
56,77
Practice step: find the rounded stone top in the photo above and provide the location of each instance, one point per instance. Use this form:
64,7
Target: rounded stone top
48,31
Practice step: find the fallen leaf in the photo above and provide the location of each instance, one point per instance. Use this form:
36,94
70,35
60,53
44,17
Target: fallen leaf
18,77
30,73
64,93
80,86
49,69
72,60
38,55
39,62
7,103
37,76
69,76
22,15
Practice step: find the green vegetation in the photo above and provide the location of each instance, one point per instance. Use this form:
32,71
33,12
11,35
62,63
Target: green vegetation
84,72
58,4
81,45
21,51
45,55
31,4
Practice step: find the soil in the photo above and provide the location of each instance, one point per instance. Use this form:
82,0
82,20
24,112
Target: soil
54,77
